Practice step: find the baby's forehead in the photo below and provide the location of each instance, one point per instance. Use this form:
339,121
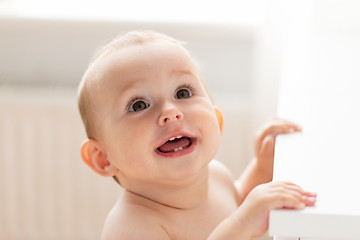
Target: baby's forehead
132,58
149,50
114,69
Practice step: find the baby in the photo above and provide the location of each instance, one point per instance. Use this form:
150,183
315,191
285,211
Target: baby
152,126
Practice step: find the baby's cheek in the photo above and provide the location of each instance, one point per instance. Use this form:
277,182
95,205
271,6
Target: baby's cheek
214,135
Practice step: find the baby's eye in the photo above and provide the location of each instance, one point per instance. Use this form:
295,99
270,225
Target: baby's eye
138,106
183,93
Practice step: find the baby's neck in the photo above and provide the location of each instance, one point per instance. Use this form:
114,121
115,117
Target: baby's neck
180,195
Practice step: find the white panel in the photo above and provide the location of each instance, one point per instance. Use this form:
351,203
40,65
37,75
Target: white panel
320,91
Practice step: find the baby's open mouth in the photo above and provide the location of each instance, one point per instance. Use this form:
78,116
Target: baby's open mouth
175,144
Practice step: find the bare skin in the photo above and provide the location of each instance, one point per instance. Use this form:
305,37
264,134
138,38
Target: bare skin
150,100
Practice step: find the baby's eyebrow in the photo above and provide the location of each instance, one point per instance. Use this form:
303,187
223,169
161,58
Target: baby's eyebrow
184,72
129,84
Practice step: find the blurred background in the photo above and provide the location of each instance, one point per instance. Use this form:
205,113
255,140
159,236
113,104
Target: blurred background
46,192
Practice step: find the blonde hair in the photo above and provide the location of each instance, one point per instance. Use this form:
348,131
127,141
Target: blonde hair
85,102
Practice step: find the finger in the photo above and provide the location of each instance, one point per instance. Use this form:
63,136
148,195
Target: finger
286,184
304,193
308,198
287,195
309,201
310,194
290,201
304,196
280,127
274,128
296,193
284,121
268,144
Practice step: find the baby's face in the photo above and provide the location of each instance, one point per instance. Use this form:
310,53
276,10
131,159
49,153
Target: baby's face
156,118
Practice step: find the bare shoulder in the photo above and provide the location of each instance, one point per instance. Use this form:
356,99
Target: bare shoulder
220,173
131,220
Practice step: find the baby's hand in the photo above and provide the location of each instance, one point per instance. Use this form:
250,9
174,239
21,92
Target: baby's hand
253,214
264,141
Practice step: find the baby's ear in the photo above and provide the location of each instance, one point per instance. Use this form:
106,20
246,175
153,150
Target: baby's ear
93,154
220,118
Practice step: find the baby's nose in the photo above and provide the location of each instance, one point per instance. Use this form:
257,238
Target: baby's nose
170,114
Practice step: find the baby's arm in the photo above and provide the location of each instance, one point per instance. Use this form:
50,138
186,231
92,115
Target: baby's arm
260,169
250,220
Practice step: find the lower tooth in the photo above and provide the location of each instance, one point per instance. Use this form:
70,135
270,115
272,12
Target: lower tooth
178,149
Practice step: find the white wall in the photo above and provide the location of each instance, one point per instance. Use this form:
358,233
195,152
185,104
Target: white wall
238,65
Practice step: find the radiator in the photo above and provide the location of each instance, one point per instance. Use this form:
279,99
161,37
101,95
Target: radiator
46,192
